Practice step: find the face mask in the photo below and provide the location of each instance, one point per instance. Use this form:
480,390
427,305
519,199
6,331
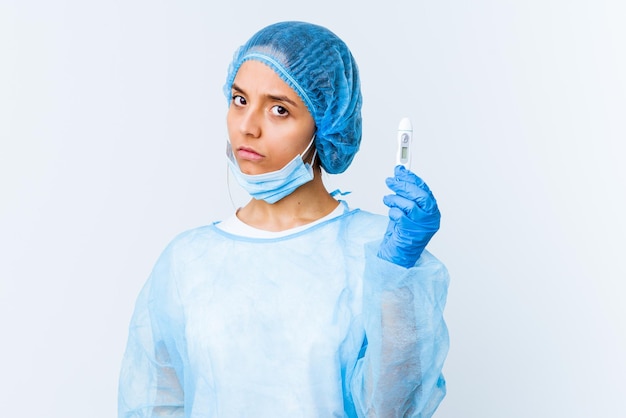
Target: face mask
274,185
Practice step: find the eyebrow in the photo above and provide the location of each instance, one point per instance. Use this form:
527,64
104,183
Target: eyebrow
269,96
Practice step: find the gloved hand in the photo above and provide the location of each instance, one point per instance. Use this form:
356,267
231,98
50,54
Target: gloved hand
413,218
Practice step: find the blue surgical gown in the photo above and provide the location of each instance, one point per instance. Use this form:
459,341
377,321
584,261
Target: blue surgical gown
311,324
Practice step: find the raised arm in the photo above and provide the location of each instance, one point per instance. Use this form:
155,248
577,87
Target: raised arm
405,290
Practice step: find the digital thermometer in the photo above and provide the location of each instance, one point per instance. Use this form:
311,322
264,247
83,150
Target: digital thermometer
405,139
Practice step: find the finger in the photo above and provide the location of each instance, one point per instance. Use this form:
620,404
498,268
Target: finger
414,209
404,174
401,174
390,226
406,226
408,207
396,214
407,190
408,230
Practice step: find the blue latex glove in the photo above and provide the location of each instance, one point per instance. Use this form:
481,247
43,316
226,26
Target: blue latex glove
413,218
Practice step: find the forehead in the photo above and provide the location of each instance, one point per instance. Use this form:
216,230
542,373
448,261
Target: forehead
255,77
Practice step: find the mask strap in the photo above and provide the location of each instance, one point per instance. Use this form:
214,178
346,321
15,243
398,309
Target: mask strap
308,148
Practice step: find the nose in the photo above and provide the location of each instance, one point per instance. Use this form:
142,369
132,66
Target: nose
250,122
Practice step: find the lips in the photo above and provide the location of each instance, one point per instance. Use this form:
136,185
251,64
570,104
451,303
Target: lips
248,154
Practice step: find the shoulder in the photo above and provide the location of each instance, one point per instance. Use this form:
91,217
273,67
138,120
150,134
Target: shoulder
361,217
190,243
365,224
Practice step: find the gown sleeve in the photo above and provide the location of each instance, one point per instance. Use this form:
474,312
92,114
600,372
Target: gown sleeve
400,371
151,376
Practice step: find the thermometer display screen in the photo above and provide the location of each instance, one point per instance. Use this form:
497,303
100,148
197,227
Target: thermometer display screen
405,137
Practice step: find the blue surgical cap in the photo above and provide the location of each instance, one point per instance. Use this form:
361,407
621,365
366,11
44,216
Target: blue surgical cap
318,66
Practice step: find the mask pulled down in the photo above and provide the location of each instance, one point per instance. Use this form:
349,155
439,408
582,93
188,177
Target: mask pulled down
275,185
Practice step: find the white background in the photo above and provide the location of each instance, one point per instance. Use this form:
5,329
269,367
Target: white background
112,141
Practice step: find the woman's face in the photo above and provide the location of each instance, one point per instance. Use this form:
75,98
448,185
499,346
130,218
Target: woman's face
268,123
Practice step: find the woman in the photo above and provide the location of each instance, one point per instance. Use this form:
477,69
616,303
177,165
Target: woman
297,305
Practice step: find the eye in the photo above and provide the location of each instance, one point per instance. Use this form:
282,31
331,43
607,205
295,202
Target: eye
279,111
239,100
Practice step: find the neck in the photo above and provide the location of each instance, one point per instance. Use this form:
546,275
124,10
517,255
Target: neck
306,204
